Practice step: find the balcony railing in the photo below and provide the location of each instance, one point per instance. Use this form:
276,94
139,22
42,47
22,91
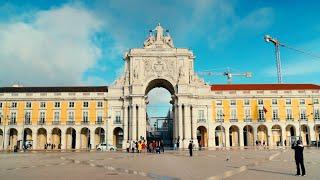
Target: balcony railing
247,120
84,122
41,122
70,122
201,120
56,122
99,122
261,119
275,119
12,123
28,122
289,119
219,120
233,120
117,121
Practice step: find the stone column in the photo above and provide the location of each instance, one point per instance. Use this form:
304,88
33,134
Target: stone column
63,139
34,139
176,121
227,138
269,136
92,141
49,137
283,135
255,134
241,137
78,139
134,122
142,122
20,137
194,124
125,124
187,124
312,134
180,125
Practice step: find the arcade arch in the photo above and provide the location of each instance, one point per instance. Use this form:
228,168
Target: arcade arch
41,138
276,135
263,134
56,138
290,133
202,136
118,137
71,138
248,136
234,135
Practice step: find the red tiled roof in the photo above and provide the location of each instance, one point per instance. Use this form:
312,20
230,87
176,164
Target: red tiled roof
226,87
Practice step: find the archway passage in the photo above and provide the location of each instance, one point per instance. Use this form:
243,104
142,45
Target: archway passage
248,136
276,135
290,135
160,123
99,136
42,138
85,138
202,136
118,137
56,138
220,136
263,134
234,136
305,135
13,138
71,138
27,138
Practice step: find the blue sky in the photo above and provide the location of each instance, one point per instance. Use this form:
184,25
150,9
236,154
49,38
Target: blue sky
82,42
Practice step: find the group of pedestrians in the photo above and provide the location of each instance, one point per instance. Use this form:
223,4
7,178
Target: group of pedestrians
142,146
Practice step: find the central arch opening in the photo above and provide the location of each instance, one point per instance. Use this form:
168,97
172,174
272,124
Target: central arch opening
160,116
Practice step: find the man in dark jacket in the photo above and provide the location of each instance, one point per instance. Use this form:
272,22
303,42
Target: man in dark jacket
190,147
298,156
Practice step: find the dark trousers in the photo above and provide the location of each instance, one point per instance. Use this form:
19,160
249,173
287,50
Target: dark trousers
190,152
299,162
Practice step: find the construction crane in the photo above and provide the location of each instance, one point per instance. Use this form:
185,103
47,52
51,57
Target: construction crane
227,73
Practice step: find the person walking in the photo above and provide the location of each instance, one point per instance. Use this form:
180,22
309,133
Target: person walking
128,146
139,147
162,146
190,147
298,156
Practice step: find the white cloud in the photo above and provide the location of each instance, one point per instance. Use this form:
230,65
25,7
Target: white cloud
54,47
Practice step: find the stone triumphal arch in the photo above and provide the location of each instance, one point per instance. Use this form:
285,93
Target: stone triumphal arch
158,64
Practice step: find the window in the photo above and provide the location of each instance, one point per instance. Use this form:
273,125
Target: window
288,101
289,114
316,114
99,116
118,116
260,101
247,113
70,116
71,104
303,114
42,116
27,117
219,102
201,115
246,102
86,104
0,104
42,104
274,101
220,114
57,104
13,117
85,117
302,101
28,104
99,104
275,114
315,101
261,114
14,104
233,102
56,116
233,113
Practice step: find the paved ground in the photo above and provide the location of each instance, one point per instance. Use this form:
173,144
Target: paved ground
210,164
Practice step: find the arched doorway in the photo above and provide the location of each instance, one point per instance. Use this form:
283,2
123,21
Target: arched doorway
99,136
27,138
202,136
220,136
317,132
248,136
1,138
118,137
71,138
42,138
263,134
234,135
290,135
56,138
305,134
13,138
85,138
160,112
276,135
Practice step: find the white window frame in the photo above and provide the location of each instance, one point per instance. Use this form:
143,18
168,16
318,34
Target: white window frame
260,100
99,116
261,114
289,115
302,101
288,100
28,104
246,100
85,118
85,104
98,104
71,116
220,114
42,119
27,118
71,104
233,113
43,104
303,113
219,102
247,113
55,119
117,116
13,116
274,101
57,104
14,104
275,113
233,102
315,101
316,114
